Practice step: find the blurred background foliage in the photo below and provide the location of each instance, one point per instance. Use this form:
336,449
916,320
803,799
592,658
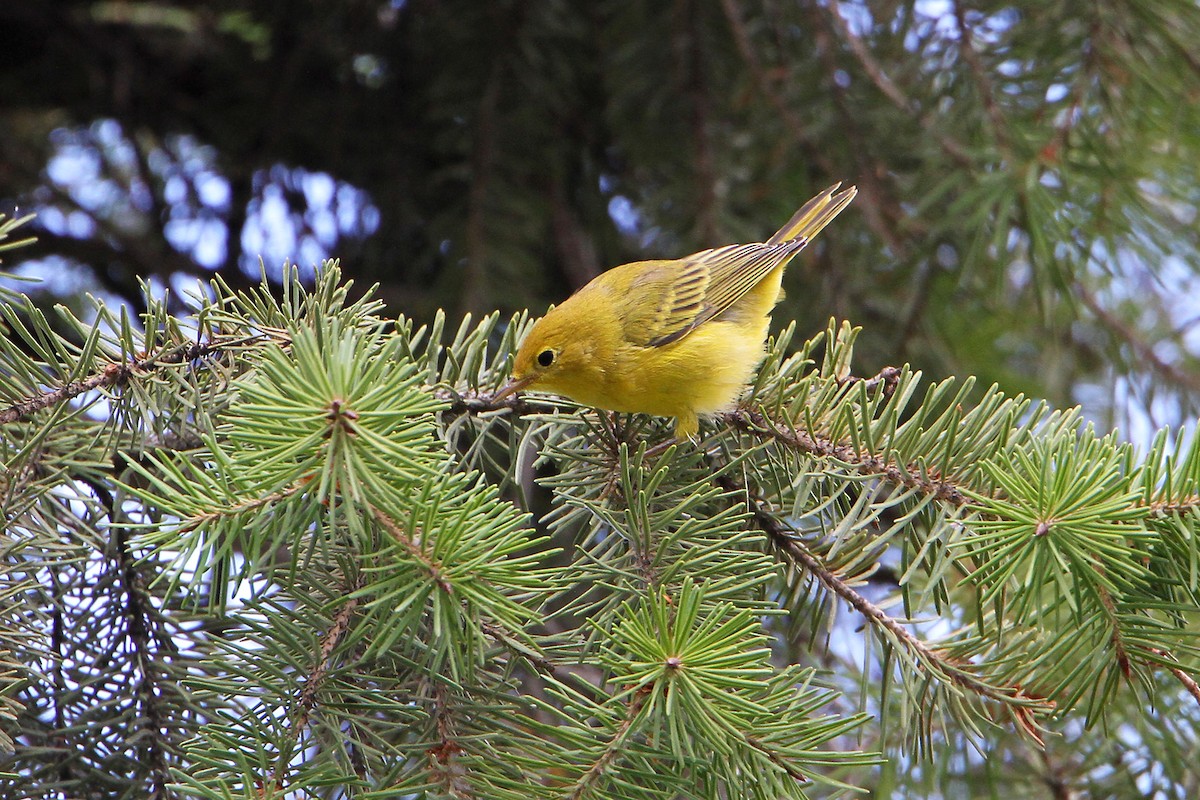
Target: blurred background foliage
1028,171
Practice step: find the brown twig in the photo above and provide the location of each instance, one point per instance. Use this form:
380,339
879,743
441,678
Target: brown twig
140,617
412,547
983,82
308,695
1110,612
479,403
794,551
864,463
118,374
1142,349
888,377
879,210
442,756
754,422
224,509
587,781
510,643
1183,677
787,111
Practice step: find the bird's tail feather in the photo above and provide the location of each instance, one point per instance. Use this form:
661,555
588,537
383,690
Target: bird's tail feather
814,215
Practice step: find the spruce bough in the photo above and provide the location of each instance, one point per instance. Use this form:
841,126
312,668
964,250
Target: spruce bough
328,557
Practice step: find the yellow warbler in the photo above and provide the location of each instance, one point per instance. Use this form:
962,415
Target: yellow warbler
677,338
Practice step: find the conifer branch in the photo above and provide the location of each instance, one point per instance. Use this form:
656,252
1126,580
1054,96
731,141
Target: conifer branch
802,441
983,82
1110,613
881,212
137,613
754,743
560,673
509,642
794,551
251,504
1189,503
118,374
1142,349
307,700
888,378
755,422
442,755
784,108
587,781
412,548
470,402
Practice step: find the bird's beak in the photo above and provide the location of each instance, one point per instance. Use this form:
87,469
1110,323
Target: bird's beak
513,386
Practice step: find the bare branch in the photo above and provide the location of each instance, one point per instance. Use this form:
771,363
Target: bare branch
1142,349
1184,678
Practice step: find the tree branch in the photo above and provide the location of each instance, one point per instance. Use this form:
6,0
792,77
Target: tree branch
441,756
587,781
795,552
879,210
787,111
983,83
118,374
411,547
308,694
1189,683
1142,349
864,463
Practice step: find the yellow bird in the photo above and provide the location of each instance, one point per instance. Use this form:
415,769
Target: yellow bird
675,338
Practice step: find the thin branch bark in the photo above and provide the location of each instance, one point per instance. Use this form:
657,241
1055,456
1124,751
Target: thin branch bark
786,110
794,551
308,694
591,776
865,463
1142,349
1189,683
983,83
118,374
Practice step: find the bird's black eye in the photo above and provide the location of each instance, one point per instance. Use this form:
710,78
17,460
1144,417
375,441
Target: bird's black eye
546,358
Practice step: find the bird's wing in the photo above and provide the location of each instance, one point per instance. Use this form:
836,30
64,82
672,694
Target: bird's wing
697,288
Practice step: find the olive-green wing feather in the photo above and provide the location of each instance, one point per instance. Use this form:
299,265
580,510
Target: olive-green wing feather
710,282
702,286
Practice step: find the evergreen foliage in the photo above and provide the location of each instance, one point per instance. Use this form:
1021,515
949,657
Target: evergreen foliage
283,547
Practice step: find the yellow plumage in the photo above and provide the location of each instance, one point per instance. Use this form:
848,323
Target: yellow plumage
676,338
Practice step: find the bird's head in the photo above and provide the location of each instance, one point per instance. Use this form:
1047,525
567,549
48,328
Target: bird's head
558,355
